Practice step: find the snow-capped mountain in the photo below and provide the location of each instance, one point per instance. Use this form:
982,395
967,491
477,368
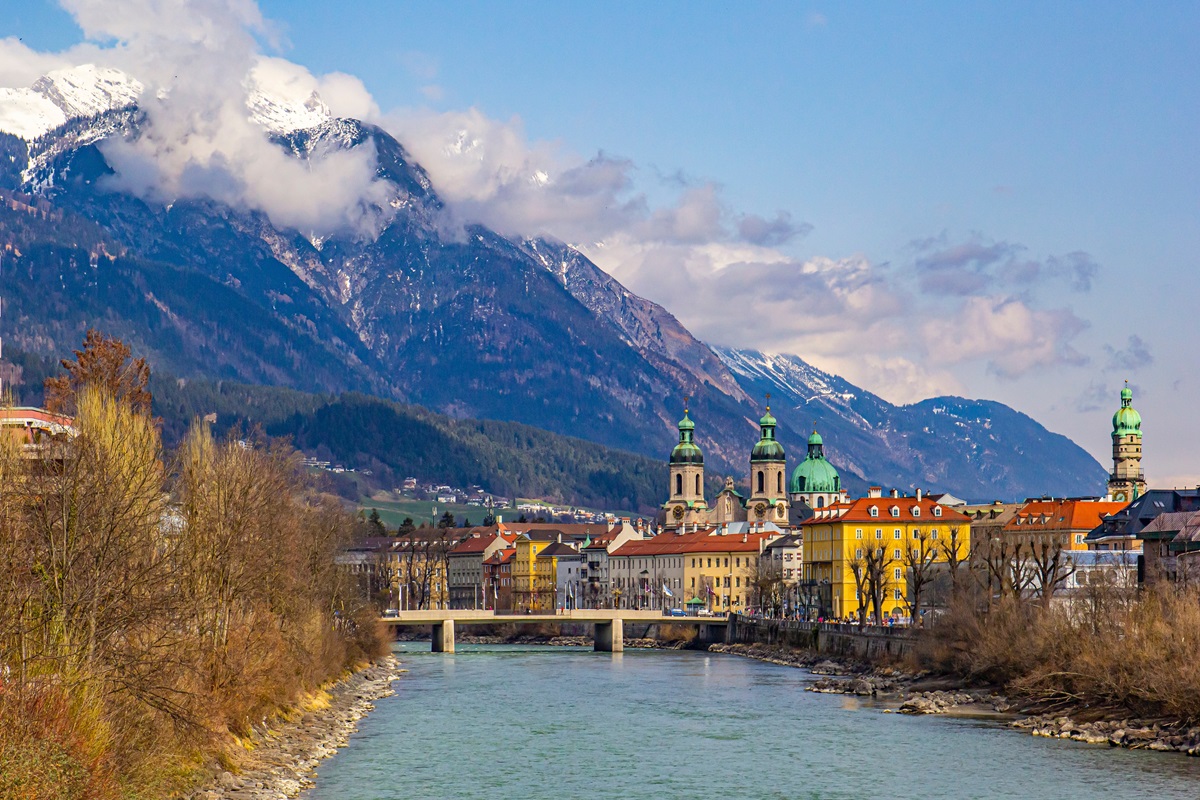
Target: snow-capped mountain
63,95
982,449
461,320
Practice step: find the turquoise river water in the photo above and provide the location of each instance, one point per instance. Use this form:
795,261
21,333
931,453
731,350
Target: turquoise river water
550,722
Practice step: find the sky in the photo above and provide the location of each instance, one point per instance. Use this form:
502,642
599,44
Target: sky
981,199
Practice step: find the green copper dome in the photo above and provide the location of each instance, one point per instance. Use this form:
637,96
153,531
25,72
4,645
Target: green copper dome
767,449
686,452
814,474
1126,421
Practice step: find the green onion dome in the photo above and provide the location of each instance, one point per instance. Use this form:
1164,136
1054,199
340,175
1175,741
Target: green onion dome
687,452
768,448
1126,421
814,474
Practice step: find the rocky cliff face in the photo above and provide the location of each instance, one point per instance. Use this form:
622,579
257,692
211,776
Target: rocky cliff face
414,306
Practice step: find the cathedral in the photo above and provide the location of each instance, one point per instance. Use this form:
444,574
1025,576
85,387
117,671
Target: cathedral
773,498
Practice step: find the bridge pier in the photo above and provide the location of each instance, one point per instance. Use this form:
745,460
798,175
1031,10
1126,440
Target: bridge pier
610,636
443,636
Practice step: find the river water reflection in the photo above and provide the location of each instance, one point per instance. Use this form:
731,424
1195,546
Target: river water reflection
550,722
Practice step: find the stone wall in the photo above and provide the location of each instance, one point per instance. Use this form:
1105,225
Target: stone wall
872,643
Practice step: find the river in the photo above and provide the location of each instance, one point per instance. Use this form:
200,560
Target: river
550,722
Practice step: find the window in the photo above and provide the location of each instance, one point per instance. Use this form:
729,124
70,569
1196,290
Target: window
916,511
896,593
693,579
727,564
878,533
937,510
820,502
779,482
678,484
896,555
739,562
1079,538
737,582
933,534
896,533
858,553
873,511
697,484
858,534
896,573
895,511
710,562
761,482
693,563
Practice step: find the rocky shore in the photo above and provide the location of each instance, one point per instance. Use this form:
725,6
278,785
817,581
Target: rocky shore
283,759
915,694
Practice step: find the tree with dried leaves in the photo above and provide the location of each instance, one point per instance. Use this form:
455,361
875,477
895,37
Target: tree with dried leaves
918,561
107,364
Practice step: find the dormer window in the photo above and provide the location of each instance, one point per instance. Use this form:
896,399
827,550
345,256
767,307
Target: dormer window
937,511
874,511
916,511
895,511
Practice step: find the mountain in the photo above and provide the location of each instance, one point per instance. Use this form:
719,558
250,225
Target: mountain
412,306
976,449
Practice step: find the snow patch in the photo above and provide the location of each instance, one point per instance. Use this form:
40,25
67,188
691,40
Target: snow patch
63,95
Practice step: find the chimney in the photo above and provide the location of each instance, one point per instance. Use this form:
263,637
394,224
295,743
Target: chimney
499,520
895,492
919,494
559,537
875,491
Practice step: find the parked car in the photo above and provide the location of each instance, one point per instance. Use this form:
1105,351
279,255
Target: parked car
676,612
391,612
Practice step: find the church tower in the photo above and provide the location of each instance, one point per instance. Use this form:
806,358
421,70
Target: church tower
686,505
768,464
1126,482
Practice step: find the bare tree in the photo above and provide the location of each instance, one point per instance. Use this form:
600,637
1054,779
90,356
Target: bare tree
878,579
955,552
1052,567
860,568
918,561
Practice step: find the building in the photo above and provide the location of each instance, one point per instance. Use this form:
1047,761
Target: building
1061,523
768,465
686,504
648,573
528,545
597,574
780,570
987,521
1171,548
874,544
1122,530
815,482
721,570
1127,482
465,563
570,581
497,579
545,575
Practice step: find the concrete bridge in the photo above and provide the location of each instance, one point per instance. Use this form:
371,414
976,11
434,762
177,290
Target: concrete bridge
609,623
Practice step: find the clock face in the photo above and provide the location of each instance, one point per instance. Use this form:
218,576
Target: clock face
760,509
678,512
1119,496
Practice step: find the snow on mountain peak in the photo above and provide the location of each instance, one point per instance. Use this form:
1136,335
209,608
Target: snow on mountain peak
281,99
62,95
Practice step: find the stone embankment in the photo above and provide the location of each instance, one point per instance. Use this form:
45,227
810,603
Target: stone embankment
283,761
865,680
1131,733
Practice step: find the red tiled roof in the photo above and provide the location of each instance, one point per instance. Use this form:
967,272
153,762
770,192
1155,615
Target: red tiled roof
702,541
860,511
1062,515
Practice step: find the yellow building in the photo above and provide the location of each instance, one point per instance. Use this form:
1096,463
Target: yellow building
721,570
530,590
877,540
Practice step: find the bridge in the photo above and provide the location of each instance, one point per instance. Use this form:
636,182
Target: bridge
609,623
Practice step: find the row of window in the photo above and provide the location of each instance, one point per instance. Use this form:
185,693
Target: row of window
895,511
897,533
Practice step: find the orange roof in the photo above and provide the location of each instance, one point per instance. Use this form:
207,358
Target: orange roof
860,511
1062,515
502,556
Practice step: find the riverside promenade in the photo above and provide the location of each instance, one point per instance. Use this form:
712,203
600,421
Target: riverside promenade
608,623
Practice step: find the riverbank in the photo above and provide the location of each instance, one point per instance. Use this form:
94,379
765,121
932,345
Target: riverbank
281,762
926,693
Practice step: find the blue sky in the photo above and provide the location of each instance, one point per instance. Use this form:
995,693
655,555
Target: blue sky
1044,151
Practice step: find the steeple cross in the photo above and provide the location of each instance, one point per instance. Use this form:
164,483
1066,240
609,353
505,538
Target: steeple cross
686,398
768,401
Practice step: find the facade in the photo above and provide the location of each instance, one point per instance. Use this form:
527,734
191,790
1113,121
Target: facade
648,573
465,562
879,534
545,569
1126,482
597,577
1171,548
497,579
569,580
987,521
525,594
720,571
1122,530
